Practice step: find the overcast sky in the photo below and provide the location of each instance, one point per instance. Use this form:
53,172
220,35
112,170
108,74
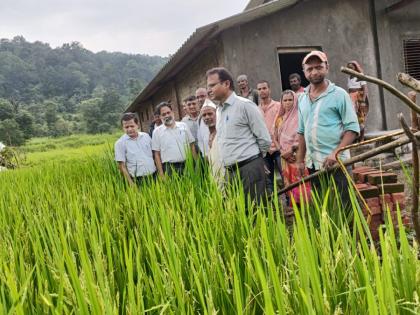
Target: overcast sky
155,27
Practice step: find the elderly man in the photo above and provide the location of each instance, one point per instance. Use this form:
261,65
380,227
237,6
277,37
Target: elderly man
244,89
327,123
201,95
203,134
242,136
170,142
193,112
269,108
208,117
295,82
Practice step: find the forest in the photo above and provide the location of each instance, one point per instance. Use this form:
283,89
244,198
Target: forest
53,92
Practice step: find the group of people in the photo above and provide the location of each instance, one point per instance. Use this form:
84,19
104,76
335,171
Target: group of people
248,134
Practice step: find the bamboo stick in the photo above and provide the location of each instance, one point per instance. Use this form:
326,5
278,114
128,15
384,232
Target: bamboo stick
385,85
409,81
361,157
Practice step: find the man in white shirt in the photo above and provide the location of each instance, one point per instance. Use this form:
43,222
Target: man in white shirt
170,142
133,151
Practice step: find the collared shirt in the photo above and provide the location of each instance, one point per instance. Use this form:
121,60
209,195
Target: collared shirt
203,135
300,91
270,112
323,122
252,96
136,153
241,130
192,124
172,143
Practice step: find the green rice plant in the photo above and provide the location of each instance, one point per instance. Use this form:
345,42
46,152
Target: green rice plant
76,239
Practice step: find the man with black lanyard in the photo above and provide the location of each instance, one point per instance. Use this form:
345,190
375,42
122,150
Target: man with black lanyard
242,135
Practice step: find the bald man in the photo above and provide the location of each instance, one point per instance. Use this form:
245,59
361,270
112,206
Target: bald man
201,95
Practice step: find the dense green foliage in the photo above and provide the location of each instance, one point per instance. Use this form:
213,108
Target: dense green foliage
65,90
75,239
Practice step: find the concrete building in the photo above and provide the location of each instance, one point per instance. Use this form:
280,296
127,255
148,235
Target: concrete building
269,39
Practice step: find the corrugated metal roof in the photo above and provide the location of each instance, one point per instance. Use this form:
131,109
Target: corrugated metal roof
186,53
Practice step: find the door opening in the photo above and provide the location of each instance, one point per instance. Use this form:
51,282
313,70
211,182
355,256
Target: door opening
290,61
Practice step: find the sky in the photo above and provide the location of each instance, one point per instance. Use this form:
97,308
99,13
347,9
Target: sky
155,27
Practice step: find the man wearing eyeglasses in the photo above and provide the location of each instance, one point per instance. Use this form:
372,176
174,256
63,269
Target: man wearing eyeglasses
327,123
242,135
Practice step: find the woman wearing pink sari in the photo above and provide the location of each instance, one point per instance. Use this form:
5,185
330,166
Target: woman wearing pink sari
287,140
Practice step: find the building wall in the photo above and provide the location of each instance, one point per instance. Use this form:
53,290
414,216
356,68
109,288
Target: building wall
166,93
342,28
193,76
393,28
184,84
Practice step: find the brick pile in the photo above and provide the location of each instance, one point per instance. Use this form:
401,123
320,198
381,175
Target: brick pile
381,191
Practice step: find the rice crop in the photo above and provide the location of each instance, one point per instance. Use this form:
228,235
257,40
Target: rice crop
75,239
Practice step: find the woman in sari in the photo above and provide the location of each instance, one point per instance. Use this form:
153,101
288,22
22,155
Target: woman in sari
359,95
287,140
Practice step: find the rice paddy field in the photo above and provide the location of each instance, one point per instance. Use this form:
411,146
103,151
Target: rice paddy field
74,239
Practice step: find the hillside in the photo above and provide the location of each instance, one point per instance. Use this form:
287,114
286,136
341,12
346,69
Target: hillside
48,91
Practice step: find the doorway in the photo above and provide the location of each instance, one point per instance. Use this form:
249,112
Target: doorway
290,61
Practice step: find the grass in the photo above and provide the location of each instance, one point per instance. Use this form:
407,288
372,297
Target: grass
75,239
39,151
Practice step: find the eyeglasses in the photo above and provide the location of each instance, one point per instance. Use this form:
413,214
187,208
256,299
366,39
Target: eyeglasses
210,86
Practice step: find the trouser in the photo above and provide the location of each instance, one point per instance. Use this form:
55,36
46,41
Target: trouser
170,168
321,183
252,176
139,180
272,161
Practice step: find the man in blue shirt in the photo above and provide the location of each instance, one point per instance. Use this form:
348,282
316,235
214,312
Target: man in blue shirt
327,123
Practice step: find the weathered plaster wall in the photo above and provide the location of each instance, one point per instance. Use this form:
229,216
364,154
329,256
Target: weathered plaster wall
341,28
393,28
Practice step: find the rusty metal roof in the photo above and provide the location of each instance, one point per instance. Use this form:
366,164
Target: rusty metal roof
191,48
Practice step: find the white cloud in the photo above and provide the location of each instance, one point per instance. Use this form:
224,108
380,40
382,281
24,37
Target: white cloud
152,27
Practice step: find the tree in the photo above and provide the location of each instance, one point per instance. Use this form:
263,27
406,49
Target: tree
6,110
25,121
10,133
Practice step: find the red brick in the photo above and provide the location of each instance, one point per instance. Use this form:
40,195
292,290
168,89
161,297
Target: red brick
369,192
392,188
377,179
371,202
363,177
374,210
398,197
357,171
361,186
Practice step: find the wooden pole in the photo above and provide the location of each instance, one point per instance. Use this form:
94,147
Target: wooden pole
416,181
409,81
385,85
361,157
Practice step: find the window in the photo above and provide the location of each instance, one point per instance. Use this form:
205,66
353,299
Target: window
412,57
290,60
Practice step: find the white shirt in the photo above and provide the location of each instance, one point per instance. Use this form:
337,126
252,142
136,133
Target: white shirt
354,83
172,143
136,153
203,135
